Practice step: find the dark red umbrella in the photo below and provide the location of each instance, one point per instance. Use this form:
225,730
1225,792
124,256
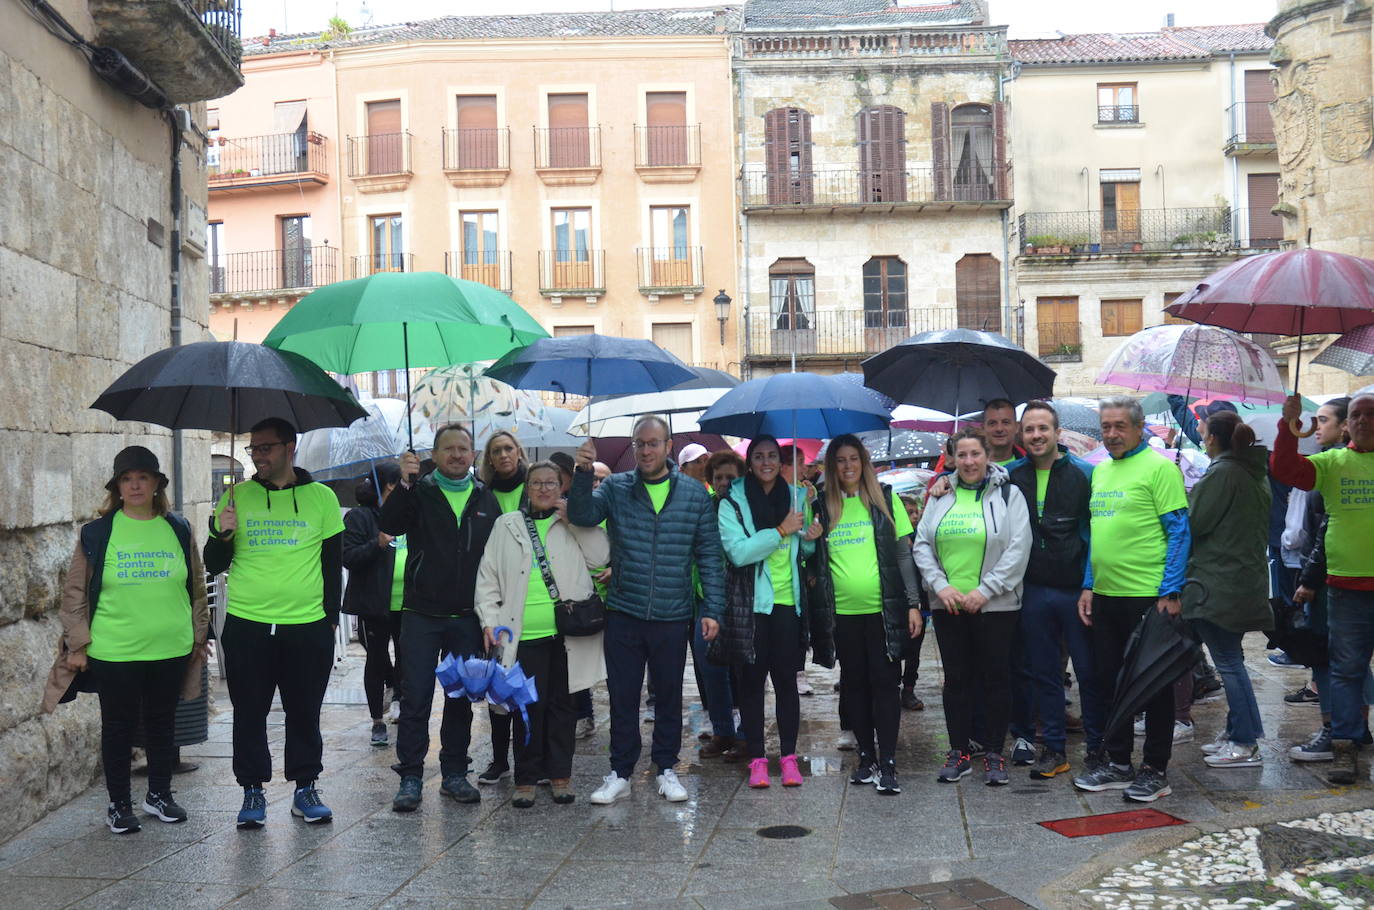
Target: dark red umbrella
616,451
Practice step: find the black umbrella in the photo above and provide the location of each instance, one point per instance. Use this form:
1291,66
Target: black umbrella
1157,654
228,386
957,368
899,445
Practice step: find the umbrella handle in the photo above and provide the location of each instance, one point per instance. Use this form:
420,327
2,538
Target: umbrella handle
1295,427
496,634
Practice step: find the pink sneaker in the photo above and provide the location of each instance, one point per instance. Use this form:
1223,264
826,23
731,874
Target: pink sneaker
758,773
791,774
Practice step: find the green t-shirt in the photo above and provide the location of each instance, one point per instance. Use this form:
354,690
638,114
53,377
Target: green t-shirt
961,539
276,575
1042,483
144,611
457,501
538,621
1008,462
510,500
1345,478
854,556
658,493
1128,540
398,572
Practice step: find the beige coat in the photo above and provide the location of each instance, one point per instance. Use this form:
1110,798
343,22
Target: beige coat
75,615
504,577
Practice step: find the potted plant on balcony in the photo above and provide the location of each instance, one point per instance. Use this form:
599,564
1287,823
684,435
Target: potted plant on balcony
1046,245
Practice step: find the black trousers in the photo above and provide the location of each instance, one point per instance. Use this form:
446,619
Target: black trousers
500,734
1114,619
869,690
378,634
633,645
975,649
260,660
424,639
777,654
552,718
911,657
128,690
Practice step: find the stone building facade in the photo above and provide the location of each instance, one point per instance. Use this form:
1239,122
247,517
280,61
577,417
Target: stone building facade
87,239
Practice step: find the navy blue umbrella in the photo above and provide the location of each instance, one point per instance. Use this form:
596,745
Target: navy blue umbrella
799,405
591,365
958,368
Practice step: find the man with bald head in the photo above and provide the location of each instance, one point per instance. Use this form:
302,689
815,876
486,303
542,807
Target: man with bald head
1345,478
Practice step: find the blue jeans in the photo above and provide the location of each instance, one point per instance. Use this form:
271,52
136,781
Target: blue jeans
633,646
1050,616
1321,676
1243,724
720,702
1350,618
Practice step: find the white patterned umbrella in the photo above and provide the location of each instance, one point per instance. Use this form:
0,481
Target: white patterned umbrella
461,394
1198,360
1352,352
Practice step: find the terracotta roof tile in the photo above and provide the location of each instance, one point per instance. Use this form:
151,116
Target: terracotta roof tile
782,15
1176,43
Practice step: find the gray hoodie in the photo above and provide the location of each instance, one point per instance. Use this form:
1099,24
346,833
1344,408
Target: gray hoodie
1005,553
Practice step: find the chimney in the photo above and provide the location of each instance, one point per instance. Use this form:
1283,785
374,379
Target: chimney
720,21
1169,20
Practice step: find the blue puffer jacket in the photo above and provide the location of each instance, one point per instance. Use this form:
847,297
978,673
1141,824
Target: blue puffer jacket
653,554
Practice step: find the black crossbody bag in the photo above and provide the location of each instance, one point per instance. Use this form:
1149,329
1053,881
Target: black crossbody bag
573,618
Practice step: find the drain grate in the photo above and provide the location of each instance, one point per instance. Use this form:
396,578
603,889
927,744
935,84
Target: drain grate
783,832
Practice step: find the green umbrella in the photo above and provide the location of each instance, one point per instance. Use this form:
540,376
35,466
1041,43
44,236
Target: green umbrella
399,320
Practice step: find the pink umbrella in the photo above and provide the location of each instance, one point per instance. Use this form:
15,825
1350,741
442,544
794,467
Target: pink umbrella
1352,352
809,448
1194,360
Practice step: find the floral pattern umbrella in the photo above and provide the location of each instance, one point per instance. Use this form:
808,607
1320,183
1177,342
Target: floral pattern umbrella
1197,360
461,394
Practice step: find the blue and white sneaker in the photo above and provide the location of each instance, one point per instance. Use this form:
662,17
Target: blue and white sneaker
306,804
254,811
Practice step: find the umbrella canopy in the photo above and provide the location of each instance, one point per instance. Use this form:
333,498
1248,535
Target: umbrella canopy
795,404
591,365
1157,654
1352,352
336,453
394,320
542,442
906,480
955,368
1198,360
616,414
809,448
228,386
617,452
899,445
1080,444
1077,415
462,394
915,417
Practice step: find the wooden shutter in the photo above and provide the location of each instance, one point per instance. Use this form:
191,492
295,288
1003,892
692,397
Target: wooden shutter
1259,94
568,137
787,137
1266,228
775,154
477,143
799,138
675,338
1056,324
384,149
666,139
1001,162
881,133
939,149
978,293
1121,317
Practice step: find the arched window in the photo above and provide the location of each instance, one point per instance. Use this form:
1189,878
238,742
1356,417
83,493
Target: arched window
978,293
787,155
881,135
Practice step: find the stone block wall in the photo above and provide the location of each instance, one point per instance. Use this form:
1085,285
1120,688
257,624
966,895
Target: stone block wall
84,293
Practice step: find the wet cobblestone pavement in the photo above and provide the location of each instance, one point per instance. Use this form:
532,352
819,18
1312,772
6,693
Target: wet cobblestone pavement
1257,837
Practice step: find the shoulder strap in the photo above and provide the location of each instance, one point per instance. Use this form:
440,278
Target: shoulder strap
541,557
738,514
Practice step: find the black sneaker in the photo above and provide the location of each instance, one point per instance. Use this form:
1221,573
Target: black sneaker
1148,786
957,767
1093,759
866,772
408,797
1303,696
1050,764
887,779
911,701
1206,688
1022,752
163,807
457,786
379,734
495,771
1106,776
995,770
121,818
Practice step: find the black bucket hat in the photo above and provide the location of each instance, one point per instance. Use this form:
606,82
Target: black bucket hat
135,458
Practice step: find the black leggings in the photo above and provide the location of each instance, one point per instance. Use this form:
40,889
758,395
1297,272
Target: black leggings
975,649
777,654
128,689
869,690
378,634
911,657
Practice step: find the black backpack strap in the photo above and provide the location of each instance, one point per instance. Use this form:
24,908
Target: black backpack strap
541,557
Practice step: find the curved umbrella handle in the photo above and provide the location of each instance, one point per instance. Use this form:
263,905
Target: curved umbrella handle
496,634
1295,427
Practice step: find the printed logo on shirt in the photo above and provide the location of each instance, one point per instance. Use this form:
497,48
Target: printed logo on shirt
272,532
1357,491
144,564
1103,503
849,533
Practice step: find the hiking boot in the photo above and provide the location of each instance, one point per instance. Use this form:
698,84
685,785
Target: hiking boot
458,787
379,734
1345,767
1148,786
716,746
995,770
254,811
866,772
957,767
523,798
307,805
1108,776
910,701
1049,764
887,779
409,794
1022,752
121,818
1317,748
495,771
1235,755
562,790
163,807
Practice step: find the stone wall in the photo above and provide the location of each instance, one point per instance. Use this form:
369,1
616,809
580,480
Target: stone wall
84,293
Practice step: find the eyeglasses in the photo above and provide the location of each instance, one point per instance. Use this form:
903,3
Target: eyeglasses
640,444
543,484
261,448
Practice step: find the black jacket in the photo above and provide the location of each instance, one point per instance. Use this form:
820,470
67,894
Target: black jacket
1313,572
369,566
897,580
444,552
1059,537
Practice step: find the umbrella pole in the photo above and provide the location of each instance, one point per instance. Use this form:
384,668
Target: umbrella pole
1295,426
405,349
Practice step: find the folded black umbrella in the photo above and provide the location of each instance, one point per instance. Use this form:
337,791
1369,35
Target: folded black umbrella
1159,651
228,386
954,370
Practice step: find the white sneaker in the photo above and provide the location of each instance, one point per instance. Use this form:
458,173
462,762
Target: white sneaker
395,710
669,787
1183,733
586,726
613,787
1234,755
1217,744
1139,725
803,685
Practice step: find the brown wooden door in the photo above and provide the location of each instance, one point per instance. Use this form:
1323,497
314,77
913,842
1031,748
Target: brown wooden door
1056,324
1266,228
569,137
978,293
1259,92
1120,214
675,338
665,142
385,152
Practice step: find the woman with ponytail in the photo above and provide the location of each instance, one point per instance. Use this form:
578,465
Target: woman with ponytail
1227,594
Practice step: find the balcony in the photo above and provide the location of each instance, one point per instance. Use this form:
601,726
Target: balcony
489,267
477,157
945,44
274,273
362,266
1060,342
840,334
572,273
189,48
669,270
914,188
668,154
1196,230
567,155
272,162
379,163
1118,114
1250,130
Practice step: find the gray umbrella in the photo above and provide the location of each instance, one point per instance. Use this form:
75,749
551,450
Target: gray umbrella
899,445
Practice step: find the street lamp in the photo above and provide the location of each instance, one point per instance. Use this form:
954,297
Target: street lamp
722,302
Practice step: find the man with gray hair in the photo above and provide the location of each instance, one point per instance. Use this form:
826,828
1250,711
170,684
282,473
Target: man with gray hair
1137,557
661,523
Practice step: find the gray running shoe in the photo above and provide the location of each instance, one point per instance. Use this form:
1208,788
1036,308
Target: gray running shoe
1149,785
1106,777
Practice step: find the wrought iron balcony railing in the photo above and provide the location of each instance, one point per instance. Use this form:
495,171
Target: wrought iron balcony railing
274,270
371,264
567,147
1209,229
380,153
854,333
1118,113
1249,123
1060,341
672,268
572,272
489,267
248,158
668,146
476,149
913,185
